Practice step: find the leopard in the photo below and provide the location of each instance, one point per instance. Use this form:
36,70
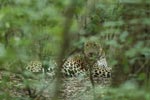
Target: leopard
88,65
91,58
76,70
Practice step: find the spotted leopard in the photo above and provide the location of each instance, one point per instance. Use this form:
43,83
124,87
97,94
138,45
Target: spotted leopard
77,70
79,64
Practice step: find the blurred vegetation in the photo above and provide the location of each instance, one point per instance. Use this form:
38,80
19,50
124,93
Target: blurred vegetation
35,30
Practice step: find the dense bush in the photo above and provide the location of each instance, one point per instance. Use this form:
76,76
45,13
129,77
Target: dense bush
46,29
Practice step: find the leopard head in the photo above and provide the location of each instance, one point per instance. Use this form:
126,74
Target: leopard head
92,50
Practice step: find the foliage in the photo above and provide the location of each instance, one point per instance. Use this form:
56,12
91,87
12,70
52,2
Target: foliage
33,30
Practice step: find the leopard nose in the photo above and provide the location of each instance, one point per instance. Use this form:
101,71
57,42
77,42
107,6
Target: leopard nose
91,54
